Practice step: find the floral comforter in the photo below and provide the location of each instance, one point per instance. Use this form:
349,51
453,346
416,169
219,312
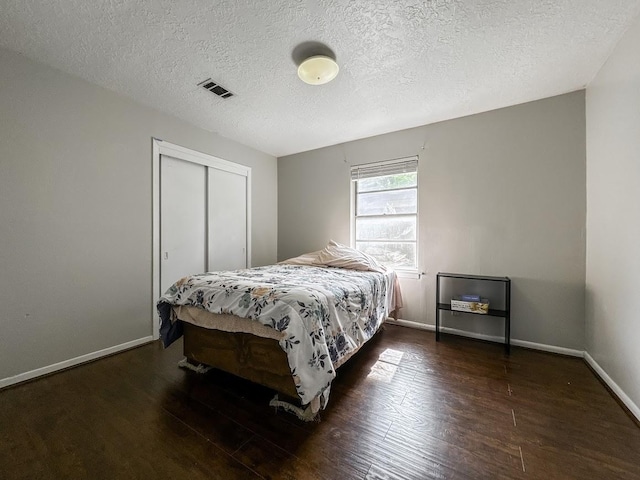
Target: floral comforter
326,314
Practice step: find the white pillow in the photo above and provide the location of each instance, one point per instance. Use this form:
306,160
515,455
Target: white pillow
337,255
304,259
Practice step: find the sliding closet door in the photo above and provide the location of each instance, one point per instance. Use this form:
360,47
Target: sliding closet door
201,216
227,220
183,217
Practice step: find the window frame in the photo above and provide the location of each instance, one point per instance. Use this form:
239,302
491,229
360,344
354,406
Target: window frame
402,271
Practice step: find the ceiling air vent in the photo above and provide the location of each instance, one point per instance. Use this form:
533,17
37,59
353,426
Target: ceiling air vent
213,87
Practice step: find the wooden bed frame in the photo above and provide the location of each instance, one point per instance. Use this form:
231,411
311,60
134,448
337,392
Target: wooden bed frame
260,360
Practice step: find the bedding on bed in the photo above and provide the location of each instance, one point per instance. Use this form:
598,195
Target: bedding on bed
323,314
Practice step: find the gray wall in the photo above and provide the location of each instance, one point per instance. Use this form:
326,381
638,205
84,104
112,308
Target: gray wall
75,213
613,218
501,193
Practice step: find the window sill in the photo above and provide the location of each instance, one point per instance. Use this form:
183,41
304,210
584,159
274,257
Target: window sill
412,274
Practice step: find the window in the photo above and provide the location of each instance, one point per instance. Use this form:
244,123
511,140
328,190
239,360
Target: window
385,213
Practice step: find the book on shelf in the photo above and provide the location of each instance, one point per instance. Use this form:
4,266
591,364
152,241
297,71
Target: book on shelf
470,298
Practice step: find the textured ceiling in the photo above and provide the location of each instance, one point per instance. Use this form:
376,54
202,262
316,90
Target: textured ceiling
403,63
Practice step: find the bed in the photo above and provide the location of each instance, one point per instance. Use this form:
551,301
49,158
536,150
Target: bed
287,326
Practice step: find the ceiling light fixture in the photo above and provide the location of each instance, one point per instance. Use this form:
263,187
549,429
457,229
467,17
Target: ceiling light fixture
318,70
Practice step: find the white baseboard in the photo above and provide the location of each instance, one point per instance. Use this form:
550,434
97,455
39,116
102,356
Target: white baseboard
548,348
479,336
624,398
72,362
410,324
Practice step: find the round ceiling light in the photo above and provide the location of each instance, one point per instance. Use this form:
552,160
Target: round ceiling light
318,70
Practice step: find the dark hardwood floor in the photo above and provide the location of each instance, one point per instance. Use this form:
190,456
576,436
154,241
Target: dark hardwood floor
404,407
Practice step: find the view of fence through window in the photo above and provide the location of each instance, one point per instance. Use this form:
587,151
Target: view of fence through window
386,217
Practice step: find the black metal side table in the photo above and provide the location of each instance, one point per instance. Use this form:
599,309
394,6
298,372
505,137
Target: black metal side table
506,313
